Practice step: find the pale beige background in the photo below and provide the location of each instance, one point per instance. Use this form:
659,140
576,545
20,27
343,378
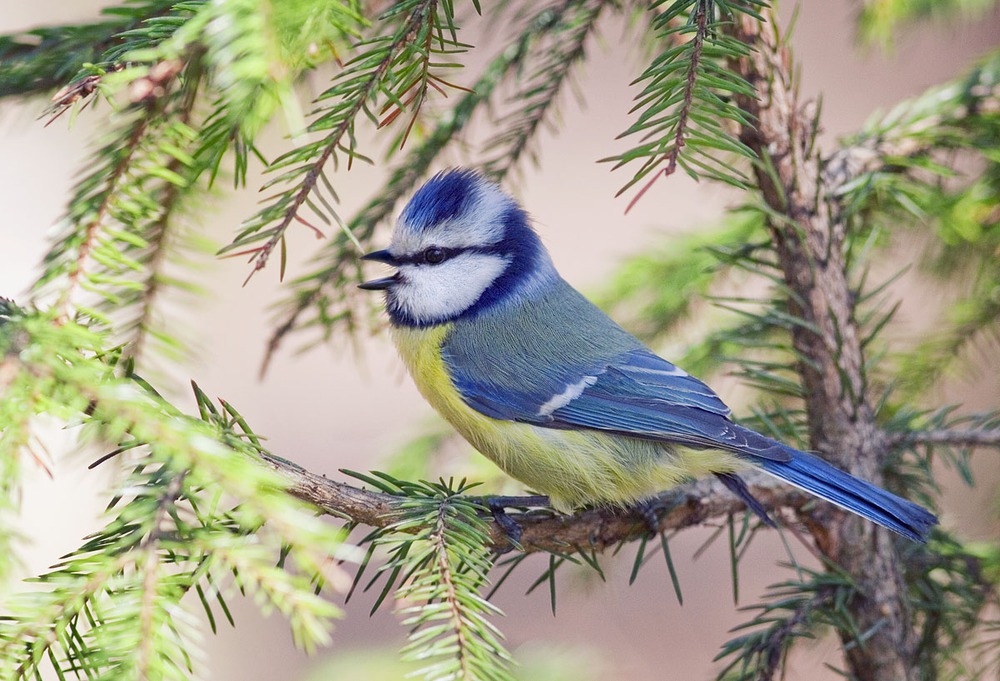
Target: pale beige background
332,408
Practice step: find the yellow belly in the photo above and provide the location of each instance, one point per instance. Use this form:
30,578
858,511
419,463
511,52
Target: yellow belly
573,467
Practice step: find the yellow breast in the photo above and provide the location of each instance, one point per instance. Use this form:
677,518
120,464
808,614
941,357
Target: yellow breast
573,467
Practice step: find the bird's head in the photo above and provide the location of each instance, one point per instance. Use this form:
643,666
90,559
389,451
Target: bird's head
461,246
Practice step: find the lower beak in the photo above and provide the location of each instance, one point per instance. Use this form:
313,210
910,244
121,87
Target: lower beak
380,284
384,283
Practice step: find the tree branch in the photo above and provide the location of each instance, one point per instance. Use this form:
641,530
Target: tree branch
590,529
774,649
876,148
972,437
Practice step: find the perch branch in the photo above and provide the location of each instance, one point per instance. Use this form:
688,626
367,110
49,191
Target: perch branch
589,529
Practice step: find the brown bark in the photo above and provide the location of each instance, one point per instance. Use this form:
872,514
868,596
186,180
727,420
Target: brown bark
588,530
809,236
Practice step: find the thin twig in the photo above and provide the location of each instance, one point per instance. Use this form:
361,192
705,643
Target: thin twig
93,227
876,151
776,644
972,437
333,140
462,652
542,98
159,232
697,47
151,566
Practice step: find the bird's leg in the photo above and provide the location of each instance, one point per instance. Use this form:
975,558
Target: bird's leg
498,509
649,511
507,524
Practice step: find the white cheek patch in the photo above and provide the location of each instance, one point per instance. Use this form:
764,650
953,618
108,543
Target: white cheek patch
431,293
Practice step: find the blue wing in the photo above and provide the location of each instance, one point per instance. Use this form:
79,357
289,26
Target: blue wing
592,374
636,393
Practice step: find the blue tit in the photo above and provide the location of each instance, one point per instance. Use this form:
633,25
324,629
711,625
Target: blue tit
552,390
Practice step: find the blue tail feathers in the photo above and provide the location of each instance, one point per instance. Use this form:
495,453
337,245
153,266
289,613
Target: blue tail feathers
815,475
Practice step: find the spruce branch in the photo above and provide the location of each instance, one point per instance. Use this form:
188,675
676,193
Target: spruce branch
138,26
977,437
324,290
105,264
700,20
538,93
83,239
114,605
47,57
591,529
255,51
788,613
159,236
396,66
440,542
145,657
903,167
945,117
173,534
959,579
23,645
686,102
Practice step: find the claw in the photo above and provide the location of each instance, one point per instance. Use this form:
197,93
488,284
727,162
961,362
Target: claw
507,524
649,511
498,509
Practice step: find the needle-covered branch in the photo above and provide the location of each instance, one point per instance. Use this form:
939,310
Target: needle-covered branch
973,437
392,68
945,117
195,515
590,529
321,298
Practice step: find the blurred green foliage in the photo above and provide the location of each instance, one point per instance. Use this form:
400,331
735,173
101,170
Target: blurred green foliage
184,90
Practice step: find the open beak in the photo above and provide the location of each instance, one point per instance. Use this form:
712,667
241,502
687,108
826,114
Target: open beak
386,257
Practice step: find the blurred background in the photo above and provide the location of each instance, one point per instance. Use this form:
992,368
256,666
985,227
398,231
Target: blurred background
348,404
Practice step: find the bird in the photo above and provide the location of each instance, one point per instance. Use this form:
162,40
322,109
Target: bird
546,385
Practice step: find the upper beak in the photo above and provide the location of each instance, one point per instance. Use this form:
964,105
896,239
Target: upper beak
384,283
381,256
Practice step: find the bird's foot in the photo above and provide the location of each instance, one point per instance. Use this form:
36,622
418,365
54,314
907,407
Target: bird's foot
513,531
649,511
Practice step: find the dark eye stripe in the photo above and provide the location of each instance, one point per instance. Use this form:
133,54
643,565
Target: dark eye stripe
442,252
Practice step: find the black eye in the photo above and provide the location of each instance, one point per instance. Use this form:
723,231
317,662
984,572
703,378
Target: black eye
434,255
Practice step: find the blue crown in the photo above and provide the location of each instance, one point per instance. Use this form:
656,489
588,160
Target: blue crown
446,196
